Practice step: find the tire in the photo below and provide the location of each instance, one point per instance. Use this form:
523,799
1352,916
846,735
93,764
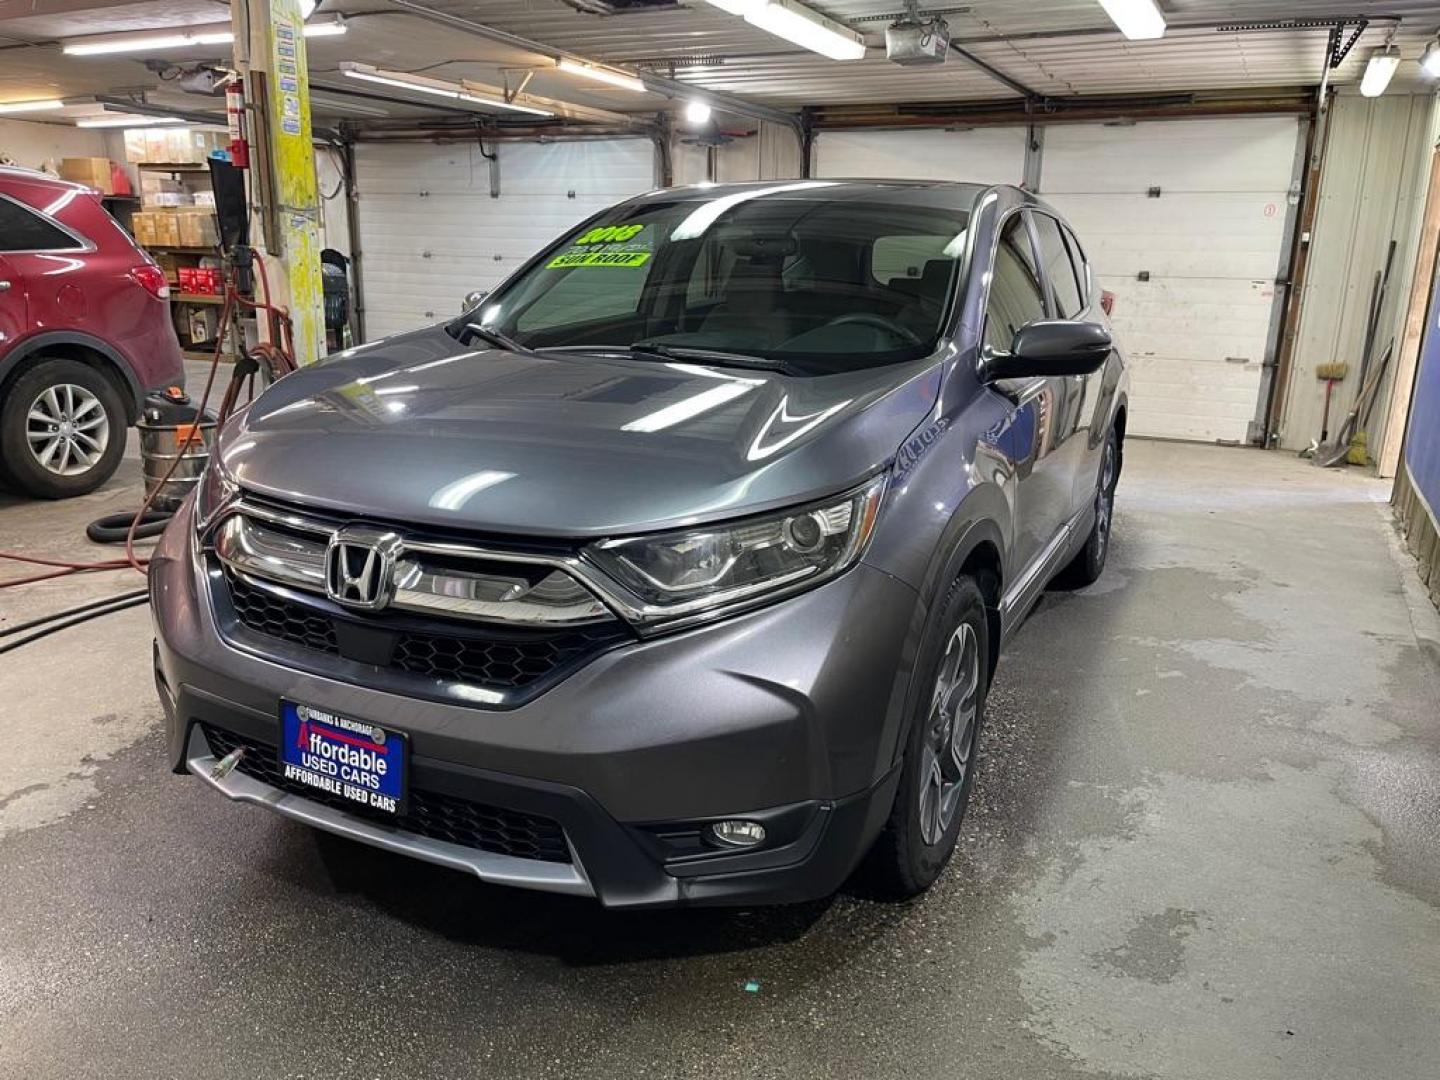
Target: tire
1089,562
918,839
81,409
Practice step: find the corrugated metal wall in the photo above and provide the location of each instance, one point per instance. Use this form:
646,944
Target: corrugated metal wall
1371,191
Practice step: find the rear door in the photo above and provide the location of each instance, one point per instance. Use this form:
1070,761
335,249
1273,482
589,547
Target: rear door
13,320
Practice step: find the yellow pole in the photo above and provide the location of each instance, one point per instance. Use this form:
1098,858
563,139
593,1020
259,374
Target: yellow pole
290,211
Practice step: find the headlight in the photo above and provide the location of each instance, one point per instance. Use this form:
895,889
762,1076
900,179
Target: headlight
681,573
214,492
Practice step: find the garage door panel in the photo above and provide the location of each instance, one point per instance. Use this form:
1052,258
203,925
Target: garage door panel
1209,243
1230,155
1221,236
613,170
981,156
431,232
1176,398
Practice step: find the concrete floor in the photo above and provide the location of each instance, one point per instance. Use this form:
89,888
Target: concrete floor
1205,843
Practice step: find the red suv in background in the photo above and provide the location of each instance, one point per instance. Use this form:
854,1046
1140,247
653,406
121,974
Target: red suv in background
85,332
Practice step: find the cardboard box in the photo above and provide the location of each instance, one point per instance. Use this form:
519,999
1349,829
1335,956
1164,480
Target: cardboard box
167,228
197,228
135,151
142,223
96,172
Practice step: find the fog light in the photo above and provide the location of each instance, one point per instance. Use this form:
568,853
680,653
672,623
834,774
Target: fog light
738,834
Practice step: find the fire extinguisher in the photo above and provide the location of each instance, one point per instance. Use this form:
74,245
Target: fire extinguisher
235,115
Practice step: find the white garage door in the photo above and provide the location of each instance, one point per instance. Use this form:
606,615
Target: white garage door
1198,207
430,232
981,155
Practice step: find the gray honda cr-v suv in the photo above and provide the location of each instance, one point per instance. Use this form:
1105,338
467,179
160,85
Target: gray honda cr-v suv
677,569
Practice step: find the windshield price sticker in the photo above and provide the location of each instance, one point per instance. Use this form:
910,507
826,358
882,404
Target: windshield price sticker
606,245
599,258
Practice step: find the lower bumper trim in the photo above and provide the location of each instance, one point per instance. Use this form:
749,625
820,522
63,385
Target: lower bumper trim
498,869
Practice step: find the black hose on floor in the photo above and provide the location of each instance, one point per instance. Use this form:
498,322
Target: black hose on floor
114,528
62,620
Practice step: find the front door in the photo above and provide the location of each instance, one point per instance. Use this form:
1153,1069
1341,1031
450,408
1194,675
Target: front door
1043,411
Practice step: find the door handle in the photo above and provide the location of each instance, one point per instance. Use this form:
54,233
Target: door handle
4,286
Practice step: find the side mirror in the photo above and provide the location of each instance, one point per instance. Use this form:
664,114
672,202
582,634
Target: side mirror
472,299
1052,347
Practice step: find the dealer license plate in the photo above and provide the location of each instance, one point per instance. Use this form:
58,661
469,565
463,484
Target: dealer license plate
352,760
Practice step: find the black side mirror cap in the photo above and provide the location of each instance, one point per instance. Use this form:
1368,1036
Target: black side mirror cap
1052,347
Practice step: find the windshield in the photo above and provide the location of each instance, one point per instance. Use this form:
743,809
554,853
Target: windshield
814,284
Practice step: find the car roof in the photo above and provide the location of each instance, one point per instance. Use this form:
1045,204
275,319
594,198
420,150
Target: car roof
35,176
920,193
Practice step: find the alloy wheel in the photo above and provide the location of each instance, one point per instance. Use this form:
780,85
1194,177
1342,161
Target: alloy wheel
1105,496
67,429
950,733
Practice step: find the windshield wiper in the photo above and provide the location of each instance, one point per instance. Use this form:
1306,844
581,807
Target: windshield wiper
473,330
718,357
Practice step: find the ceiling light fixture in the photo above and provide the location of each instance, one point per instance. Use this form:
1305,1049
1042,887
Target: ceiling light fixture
602,74
127,121
1138,20
797,23
205,35
1379,71
1430,59
697,111
423,84
31,106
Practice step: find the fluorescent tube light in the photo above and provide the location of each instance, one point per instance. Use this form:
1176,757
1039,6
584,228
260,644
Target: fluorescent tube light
798,23
1379,71
1138,20
334,28
204,35
736,7
423,84
127,121
31,106
602,74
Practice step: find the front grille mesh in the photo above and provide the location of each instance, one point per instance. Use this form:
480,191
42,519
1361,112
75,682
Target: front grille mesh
430,813
266,613
489,657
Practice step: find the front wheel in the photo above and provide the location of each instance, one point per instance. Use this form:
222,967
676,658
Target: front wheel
62,429
941,756
1089,563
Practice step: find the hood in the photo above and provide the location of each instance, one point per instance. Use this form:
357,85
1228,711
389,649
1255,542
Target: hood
421,429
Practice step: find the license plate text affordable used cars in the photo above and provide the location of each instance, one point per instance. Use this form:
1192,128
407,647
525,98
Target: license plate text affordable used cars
349,759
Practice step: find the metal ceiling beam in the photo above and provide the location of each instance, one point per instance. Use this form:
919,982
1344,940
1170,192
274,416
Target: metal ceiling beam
1027,92
660,84
193,116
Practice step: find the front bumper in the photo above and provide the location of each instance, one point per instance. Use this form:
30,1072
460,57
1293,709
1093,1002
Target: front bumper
789,714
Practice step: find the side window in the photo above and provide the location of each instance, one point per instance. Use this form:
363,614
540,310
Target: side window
22,230
587,294
1058,268
1016,297
1080,264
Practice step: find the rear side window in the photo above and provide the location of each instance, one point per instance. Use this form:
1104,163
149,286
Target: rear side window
1016,297
1078,260
25,230
1058,267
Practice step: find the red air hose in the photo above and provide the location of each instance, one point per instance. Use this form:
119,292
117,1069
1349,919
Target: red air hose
279,359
